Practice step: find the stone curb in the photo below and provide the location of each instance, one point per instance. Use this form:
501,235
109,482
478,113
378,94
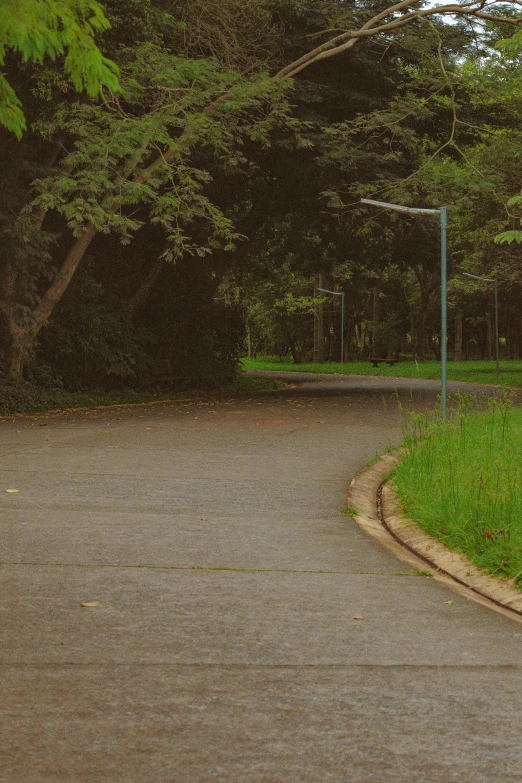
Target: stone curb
414,547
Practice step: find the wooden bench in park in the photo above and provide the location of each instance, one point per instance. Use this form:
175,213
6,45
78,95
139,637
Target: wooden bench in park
391,362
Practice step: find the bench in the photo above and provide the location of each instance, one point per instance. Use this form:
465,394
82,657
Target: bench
391,362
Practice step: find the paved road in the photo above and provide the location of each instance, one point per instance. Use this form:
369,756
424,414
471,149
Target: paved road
223,647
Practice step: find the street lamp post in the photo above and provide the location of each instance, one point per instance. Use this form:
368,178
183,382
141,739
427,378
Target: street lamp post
341,294
493,280
443,214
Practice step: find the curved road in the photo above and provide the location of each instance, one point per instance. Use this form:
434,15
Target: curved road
223,646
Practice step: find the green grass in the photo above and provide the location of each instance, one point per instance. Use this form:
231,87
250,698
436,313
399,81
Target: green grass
473,371
461,481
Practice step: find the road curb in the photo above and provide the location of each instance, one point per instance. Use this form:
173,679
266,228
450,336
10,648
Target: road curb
414,547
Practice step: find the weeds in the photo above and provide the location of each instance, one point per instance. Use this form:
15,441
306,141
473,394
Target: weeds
461,480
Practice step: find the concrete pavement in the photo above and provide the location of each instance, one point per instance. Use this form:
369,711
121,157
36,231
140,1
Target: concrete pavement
223,647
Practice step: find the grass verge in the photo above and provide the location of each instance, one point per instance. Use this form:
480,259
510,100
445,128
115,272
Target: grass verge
461,481
472,372
26,398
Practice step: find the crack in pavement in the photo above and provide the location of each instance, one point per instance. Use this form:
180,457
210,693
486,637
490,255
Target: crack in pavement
292,666
214,568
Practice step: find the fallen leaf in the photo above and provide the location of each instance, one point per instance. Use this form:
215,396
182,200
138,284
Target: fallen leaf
90,604
358,617
11,491
448,602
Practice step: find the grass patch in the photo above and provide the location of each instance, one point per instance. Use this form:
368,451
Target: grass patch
461,481
472,372
349,511
26,398
23,397
248,384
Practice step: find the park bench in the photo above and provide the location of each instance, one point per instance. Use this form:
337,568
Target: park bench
391,362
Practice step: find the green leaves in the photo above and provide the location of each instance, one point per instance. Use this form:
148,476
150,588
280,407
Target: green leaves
137,150
507,237
11,114
37,29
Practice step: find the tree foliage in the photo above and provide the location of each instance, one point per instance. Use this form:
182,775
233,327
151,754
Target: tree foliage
231,161
40,29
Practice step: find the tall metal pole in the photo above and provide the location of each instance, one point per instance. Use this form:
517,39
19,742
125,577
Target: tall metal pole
496,329
444,308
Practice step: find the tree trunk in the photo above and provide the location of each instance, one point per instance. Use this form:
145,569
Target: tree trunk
60,283
421,335
489,337
360,335
508,336
11,334
318,323
145,289
337,325
376,317
291,344
458,338
13,349
249,339
422,322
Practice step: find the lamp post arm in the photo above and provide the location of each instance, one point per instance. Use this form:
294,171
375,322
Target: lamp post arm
400,207
326,291
476,277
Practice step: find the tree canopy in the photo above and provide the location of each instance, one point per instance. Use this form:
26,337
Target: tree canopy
211,171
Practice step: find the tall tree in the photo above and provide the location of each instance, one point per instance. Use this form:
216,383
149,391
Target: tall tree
119,161
127,160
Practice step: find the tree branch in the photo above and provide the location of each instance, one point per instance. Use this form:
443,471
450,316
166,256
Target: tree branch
145,289
56,290
371,28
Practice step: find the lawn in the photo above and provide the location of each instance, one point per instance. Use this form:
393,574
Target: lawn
461,481
472,371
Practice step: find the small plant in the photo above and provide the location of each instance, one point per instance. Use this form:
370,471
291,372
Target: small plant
349,511
372,461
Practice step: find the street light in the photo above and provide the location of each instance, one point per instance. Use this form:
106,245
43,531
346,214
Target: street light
443,213
341,294
495,282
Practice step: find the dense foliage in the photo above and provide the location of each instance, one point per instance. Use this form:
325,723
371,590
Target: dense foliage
190,173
